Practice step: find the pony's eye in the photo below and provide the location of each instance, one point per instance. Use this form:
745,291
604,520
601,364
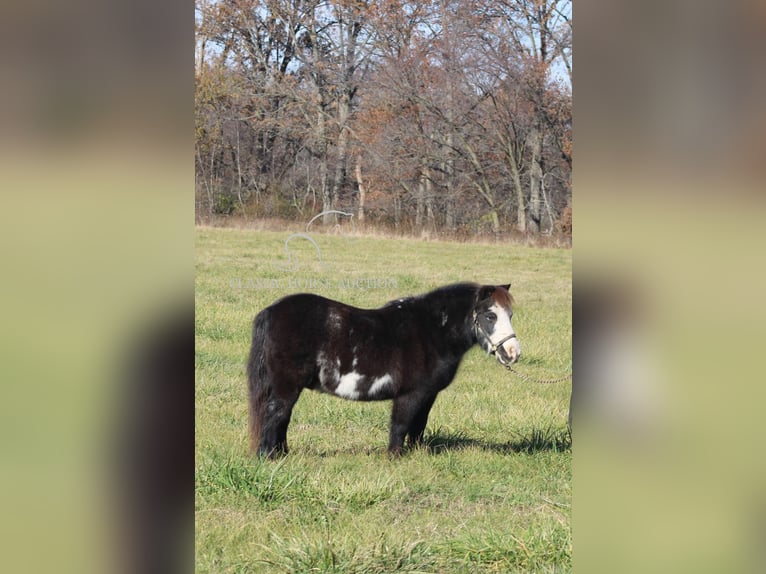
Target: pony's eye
491,316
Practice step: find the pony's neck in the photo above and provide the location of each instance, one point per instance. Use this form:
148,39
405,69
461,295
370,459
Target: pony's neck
451,315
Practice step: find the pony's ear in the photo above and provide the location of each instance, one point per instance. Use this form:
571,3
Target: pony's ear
506,287
485,292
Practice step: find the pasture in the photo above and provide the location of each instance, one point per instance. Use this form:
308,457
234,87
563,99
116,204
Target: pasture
490,491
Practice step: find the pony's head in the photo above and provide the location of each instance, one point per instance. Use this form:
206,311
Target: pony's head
492,316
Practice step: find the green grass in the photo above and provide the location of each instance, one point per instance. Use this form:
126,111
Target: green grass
490,491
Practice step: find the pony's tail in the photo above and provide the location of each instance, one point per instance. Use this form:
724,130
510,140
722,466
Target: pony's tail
259,383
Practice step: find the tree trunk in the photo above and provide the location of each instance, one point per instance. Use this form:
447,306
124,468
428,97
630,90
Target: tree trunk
422,198
429,199
449,208
327,204
449,214
344,106
548,209
449,164
239,174
495,221
420,204
535,180
521,215
362,190
327,218
424,214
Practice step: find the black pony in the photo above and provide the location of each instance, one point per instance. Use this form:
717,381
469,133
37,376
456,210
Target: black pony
408,350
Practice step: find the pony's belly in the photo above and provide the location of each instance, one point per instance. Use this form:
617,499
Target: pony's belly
358,387
353,385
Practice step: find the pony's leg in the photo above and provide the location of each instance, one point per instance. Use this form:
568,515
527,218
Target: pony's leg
276,420
405,410
281,427
418,424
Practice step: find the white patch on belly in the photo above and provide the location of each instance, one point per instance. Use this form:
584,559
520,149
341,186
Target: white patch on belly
380,384
347,385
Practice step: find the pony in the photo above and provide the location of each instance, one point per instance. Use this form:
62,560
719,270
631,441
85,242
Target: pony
406,351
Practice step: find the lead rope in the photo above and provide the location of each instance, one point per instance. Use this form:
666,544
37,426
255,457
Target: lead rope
493,350
535,380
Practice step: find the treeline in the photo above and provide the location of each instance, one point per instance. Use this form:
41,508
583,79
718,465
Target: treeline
443,114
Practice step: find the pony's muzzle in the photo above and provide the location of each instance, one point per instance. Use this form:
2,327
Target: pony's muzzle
509,352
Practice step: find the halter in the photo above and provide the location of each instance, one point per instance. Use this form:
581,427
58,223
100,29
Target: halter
493,351
493,346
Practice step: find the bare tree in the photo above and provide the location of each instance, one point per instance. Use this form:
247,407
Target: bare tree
539,33
424,113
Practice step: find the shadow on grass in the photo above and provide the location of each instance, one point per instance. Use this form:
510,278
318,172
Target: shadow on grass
535,440
440,441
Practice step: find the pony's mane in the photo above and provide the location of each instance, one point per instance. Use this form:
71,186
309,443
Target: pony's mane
465,291
501,295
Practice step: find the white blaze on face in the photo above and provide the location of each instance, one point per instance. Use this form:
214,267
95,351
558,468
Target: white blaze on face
503,329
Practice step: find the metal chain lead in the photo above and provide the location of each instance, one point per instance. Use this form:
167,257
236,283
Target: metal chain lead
541,381
493,351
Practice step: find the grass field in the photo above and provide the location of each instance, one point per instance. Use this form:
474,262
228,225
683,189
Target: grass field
490,493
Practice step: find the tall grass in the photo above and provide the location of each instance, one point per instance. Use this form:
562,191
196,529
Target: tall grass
488,492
